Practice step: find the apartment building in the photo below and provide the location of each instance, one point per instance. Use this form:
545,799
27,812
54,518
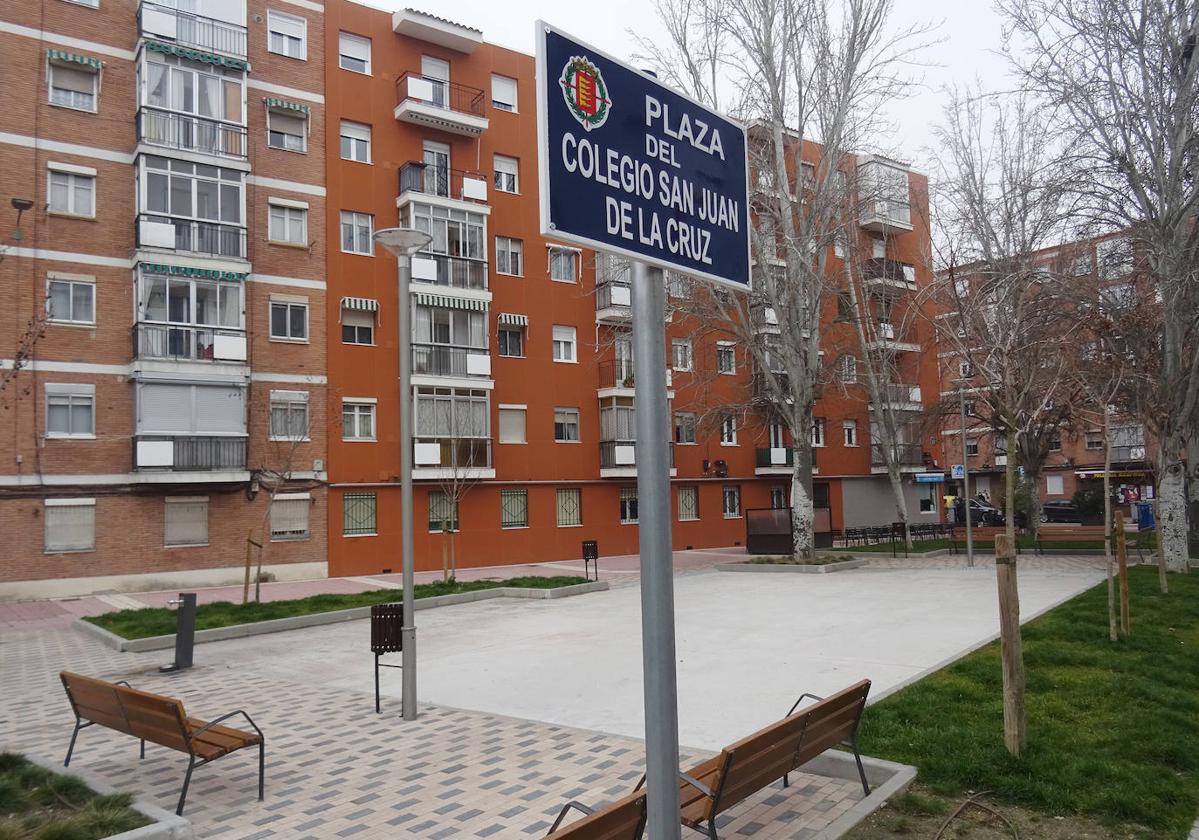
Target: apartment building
524,431
164,342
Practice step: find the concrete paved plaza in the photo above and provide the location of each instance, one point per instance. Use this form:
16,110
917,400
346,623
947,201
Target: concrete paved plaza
525,704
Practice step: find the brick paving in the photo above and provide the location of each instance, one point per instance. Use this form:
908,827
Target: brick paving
336,769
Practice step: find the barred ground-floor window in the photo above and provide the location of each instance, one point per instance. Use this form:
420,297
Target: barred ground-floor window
570,507
514,508
359,515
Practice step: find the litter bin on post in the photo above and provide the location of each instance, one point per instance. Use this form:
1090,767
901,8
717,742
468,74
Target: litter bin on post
185,632
590,555
387,624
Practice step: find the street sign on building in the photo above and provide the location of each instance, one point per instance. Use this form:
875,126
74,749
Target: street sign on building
629,166
958,471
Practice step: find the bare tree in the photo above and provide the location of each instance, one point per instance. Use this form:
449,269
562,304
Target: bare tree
1125,77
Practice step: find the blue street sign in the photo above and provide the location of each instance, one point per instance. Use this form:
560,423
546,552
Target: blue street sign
930,478
958,471
629,166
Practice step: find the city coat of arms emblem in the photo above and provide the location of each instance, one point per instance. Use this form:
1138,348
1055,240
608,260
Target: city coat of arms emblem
585,93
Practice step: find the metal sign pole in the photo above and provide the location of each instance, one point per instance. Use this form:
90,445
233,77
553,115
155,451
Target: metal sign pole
657,568
966,481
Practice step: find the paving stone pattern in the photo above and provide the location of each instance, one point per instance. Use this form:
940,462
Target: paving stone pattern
336,769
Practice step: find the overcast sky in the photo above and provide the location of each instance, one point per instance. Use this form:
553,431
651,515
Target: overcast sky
969,29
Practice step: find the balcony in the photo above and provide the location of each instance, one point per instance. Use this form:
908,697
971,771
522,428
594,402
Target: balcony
617,373
776,460
188,133
885,274
182,343
437,103
446,360
618,458
427,179
1124,454
613,302
211,239
901,397
910,457
888,337
189,29
449,458
452,272
885,198
189,454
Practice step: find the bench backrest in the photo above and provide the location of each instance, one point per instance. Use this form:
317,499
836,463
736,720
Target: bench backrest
830,721
624,819
152,717
757,760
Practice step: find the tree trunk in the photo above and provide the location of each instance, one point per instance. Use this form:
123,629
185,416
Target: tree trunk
1034,500
1193,496
802,513
1172,527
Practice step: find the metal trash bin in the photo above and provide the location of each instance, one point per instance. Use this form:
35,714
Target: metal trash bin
387,623
590,555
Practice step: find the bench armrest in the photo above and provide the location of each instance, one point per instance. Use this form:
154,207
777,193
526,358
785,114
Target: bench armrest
215,721
697,784
802,697
578,806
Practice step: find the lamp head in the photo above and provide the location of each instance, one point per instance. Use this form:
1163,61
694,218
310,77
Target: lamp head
402,241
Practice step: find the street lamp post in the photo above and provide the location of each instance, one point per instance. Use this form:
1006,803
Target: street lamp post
404,242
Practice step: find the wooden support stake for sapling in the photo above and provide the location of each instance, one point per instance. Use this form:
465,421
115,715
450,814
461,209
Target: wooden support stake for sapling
1122,557
1010,645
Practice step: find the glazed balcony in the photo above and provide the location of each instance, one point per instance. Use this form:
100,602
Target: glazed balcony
909,455
188,29
447,458
882,274
618,458
191,236
448,360
452,272
440,104
613,302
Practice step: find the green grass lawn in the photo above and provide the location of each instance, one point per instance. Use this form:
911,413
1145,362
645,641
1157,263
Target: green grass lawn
1113,728
159,621
35,803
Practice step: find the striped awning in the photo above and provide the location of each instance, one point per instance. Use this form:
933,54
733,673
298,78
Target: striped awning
448,302
507,319
74,58
284,105
197,55
360,304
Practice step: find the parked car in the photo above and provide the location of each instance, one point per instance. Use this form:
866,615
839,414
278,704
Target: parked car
982,513
1060,510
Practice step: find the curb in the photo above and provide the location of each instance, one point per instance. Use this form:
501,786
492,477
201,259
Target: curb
165,825
886,778
792,568
277,625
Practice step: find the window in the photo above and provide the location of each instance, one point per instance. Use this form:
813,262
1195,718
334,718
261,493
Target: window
356,232
1115,257
628,505
508,255
731,501
289,321
357,327
289,415
1054,485
71,301
688,503
74,87
1055,442
456,233
186,521
512,424
778,497
354,53
1119,296
514,508
289,516
684,427
72,193
359,515
679,286
507,174
287,35
927,494
355,141
564,344
70,525
175,191
680,353
357,420
965,370
566,425
511,341
820,495
564,265
971,407
288,223
817,431
1094,440
728,431
287,131
726,357
847,370
570,507
206,90
70,411
503,93
443,512
849,432
1081,265
971,446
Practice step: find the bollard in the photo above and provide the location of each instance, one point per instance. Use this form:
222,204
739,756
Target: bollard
185,633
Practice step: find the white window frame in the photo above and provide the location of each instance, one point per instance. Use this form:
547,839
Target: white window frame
971,446
501,103
565,344
818,436
849,433
514,493
629,494
506,174
72,280
728,430
726,349
289,303
681,354
294,498
78,68
287,209
73,395
965,370
289,114
290,401
688,425
847,370
178,503
513,410
733,492
566,423
559,256
516,328
353,41
359,135
50,504
360,407
1058,481
505,248
75,177
357,319
356,219
273,17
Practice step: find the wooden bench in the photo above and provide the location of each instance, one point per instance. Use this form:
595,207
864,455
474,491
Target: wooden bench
712,787
624,819
160,720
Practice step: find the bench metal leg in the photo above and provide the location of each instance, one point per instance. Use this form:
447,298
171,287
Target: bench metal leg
71,747
187,780
261,769
143,752
857,757
712,829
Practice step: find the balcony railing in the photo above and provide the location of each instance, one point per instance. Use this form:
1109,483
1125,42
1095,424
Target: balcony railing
897,393
429,179
613,296
190,29
439,93
617,373
187,343
1128,453
886,332
616,454
190,133
907,454
189,453
444,270
889,271
780,456
452,453
197,237
444,360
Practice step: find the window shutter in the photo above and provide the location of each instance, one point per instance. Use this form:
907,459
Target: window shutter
68,78
186,522
355,46
356,131
219,409
503,92
512,425
286,25
165,408
287,123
